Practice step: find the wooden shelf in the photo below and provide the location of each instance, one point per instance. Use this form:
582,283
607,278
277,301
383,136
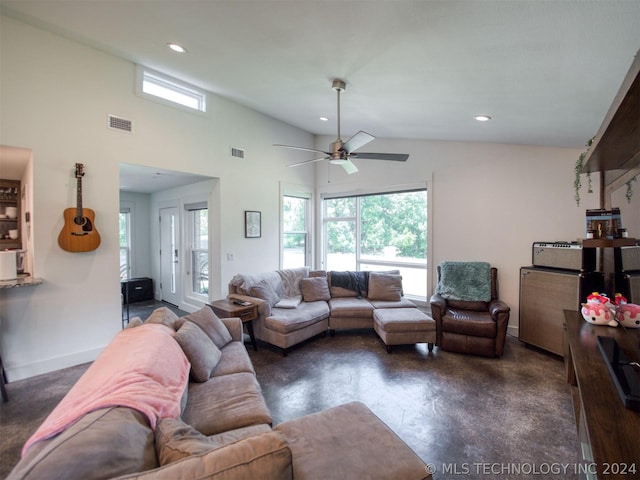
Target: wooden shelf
616,148
607,243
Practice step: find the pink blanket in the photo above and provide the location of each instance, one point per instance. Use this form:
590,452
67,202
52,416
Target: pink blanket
143,368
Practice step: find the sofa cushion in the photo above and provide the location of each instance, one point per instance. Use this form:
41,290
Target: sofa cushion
474,324
315,289
202,353
164,316
384,286
103,444
404,302
289,302
176,439
225,403
349,442
350,307
266,292
210,323
260,456
235,359
286,321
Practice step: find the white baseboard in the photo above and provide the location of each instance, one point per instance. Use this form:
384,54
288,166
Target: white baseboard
50,365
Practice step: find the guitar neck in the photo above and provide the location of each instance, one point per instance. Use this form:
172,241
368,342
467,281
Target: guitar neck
79,198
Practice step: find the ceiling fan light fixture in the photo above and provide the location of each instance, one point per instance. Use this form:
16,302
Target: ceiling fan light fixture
482,118
324,119
338,161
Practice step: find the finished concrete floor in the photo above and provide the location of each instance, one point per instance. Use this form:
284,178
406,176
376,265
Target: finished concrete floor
468,417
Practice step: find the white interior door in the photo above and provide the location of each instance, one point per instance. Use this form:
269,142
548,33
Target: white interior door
169,259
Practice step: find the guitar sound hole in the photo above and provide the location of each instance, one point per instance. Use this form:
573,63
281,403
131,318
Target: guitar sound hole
79,220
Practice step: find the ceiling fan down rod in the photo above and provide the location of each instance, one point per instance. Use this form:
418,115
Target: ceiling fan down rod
339,86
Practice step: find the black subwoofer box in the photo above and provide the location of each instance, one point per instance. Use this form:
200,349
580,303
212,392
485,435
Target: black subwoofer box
137,290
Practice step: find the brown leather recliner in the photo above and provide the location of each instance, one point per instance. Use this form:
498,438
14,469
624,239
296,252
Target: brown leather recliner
476,328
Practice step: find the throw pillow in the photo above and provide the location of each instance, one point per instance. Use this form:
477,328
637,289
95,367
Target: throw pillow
176,439
200,350
211,324
134,322
163,315
314,289
266,292
384,286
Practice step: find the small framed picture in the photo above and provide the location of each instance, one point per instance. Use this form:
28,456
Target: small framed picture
252,224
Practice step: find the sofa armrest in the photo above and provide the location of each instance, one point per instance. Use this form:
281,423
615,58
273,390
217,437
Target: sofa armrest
234,325
438,305
264,309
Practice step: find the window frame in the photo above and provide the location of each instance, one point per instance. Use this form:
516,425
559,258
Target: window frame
359,261
171,83
302,193
193,250
129,240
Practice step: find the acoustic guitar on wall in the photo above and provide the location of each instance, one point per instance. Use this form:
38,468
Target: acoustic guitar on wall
79,233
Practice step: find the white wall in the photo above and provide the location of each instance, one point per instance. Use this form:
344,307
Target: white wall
489,202
55,96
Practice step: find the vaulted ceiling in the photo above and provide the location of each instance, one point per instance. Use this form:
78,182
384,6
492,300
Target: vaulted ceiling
546,71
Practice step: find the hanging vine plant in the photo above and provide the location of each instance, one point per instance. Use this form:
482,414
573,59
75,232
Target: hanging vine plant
629,193
577,183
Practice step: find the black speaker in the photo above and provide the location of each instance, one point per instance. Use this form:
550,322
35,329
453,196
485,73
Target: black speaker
137,290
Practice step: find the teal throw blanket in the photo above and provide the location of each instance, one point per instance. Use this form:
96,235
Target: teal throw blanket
468,281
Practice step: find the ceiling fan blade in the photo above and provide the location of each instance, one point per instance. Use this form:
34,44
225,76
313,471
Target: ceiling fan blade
360,139
302,148
349,167
396,157
308,161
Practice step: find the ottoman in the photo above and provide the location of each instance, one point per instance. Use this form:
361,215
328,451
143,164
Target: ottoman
349,442
401,326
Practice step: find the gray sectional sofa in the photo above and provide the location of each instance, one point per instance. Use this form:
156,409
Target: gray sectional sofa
221,427
297,304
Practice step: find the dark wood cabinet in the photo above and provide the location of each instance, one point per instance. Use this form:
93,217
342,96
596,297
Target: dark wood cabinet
10,214
616,149
608,431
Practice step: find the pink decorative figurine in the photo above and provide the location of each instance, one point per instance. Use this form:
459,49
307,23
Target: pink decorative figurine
599,310
628,314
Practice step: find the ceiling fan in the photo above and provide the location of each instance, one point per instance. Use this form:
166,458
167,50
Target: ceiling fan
342,152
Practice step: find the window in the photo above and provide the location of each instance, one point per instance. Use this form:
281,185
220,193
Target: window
171,90
198,224
125,243
295,231
379,232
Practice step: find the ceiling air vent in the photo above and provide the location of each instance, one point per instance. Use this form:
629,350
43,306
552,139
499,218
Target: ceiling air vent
237,152
119,123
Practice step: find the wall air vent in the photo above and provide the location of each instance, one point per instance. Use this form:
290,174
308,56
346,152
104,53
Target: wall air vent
237,152
119,123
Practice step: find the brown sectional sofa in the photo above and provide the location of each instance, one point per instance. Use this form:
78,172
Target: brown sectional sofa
297,304
224,430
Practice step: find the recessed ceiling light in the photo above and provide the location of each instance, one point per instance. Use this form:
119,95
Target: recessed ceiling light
324,119
482,118
176,48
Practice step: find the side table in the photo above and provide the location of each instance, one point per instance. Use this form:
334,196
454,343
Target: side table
225,308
